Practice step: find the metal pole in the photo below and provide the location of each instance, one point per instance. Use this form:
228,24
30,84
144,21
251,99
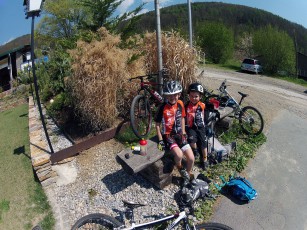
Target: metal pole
30,81
36,86
190,24
159,46
11,72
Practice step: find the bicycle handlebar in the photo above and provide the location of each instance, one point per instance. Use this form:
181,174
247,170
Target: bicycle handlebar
223,86
151,75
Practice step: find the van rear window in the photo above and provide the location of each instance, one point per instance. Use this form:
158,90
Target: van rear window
249,61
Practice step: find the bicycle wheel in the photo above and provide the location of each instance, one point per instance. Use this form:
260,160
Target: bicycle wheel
251,121
213,226
140,116
96,221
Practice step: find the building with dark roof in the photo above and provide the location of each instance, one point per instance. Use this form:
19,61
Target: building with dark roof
12,58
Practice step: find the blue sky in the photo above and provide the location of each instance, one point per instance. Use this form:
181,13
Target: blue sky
13,22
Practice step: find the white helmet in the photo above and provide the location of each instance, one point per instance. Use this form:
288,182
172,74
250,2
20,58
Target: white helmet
172,87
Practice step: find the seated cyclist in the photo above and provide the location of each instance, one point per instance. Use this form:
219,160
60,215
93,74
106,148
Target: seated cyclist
195,117
170,127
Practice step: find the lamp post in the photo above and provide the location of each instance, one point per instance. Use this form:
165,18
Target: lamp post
159,45
33,9
190,24
28,57
11,71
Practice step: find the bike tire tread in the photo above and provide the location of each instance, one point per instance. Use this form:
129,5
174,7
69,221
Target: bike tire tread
213,226
98,218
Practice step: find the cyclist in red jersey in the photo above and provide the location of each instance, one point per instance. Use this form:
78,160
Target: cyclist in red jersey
196,130
170,127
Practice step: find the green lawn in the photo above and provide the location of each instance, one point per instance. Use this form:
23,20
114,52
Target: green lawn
23,203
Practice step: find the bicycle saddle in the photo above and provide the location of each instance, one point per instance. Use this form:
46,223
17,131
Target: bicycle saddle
131,204
243,94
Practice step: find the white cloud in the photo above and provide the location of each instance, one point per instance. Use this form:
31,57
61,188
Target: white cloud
143,11
125,6
11,39
164,2
160,1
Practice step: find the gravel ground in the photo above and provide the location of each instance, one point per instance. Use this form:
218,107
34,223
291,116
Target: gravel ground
99,183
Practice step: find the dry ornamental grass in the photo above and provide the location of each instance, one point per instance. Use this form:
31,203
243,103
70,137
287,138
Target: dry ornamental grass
101,69
99,83
178,58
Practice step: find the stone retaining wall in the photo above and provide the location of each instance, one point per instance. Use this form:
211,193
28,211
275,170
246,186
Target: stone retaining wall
40,153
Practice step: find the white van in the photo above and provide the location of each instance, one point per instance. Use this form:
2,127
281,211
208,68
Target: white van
251,65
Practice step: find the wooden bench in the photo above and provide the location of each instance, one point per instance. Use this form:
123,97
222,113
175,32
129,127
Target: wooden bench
156,166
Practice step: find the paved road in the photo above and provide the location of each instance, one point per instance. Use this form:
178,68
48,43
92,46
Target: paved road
278,172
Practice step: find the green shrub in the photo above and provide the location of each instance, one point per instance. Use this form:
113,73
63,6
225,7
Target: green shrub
57,103
46,94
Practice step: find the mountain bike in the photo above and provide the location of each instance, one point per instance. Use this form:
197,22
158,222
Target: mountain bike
249,117
143,104
180,219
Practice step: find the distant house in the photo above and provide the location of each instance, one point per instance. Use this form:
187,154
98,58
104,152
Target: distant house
302,65
12,56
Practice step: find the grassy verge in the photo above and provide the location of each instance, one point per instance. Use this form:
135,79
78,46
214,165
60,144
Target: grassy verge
295,80
23,203
237,162
233,65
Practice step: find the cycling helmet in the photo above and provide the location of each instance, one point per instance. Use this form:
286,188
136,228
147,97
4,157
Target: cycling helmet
172,87
196,87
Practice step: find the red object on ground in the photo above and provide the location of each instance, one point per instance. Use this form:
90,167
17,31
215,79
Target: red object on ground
215,102
143,145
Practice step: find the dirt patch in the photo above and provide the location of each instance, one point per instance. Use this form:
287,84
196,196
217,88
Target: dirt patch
12,102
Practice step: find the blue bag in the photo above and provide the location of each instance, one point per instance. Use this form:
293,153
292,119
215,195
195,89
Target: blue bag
239,188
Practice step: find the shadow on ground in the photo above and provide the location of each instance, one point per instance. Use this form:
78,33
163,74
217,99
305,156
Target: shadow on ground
21,150
120,180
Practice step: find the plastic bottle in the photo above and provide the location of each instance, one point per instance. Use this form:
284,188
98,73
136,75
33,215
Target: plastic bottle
136,148
143,145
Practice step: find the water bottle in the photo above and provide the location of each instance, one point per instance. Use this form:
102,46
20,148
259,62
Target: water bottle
143,147
136,148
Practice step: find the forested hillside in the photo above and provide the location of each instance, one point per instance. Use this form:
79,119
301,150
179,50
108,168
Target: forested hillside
239,18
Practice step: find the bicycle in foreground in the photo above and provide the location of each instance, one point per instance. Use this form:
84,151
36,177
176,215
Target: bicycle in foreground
249,117
143,103
180,219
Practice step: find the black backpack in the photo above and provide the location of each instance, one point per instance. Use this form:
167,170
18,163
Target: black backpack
196,189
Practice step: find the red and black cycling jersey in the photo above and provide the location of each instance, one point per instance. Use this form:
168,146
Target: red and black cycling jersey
170,116
195,115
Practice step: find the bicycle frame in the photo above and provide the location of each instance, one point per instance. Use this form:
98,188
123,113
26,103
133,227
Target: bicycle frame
235,108
249,117
145,87
178,218
153,93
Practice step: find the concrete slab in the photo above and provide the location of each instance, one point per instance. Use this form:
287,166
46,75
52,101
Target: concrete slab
67,173
132,162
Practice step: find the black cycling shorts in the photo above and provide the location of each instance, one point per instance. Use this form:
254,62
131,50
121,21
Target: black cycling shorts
173,140
197,136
